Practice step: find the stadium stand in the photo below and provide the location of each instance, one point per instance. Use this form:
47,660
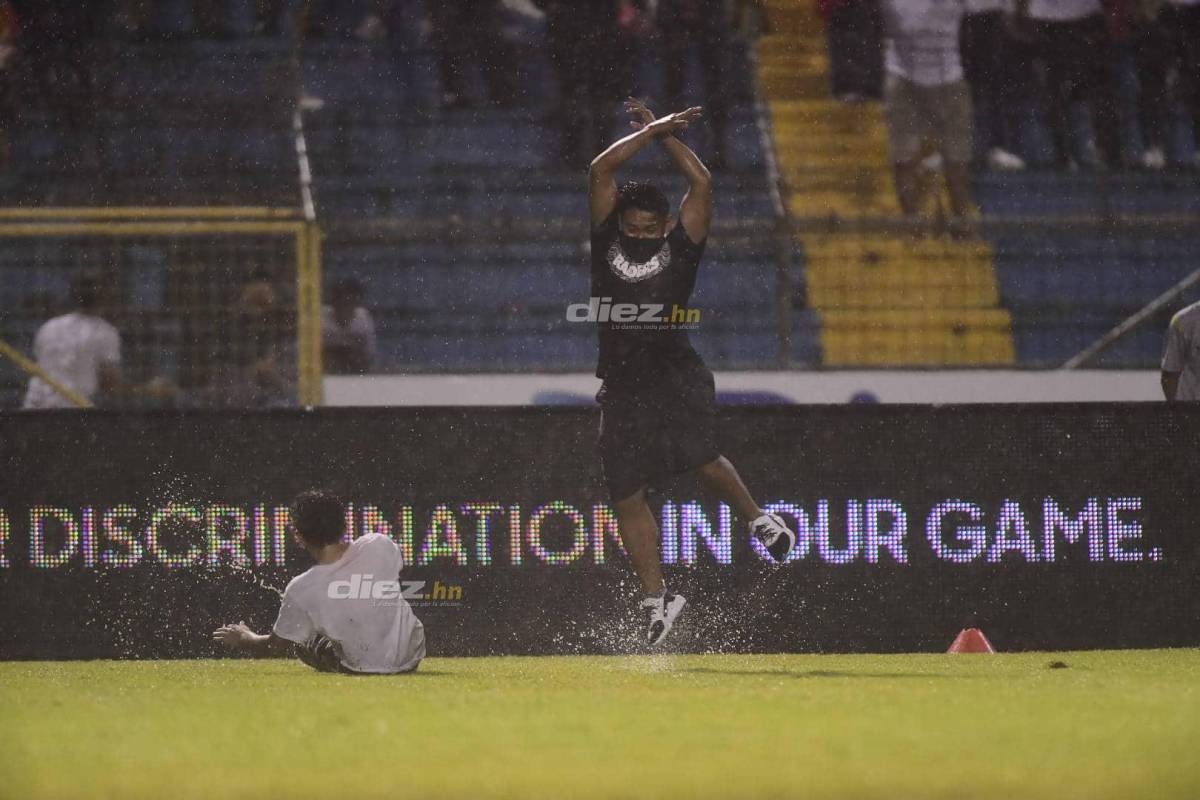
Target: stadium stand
1033,295
882,300
468,233
195,123
383,148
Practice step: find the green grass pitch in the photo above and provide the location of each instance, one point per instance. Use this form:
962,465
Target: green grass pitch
1111,725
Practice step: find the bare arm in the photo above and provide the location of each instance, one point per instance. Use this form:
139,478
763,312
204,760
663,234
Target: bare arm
259,645
695,213
112,383
602,187
1170,385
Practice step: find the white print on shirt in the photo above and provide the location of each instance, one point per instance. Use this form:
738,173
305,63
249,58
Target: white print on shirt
632,272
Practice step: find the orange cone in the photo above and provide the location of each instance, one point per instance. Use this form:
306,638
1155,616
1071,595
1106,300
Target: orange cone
971,640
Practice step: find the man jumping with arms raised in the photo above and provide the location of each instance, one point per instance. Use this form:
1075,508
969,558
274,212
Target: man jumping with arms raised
657,399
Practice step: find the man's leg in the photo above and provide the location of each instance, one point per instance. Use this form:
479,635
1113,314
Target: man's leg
714,61
958,186
904,131
1058,89
1187,26
907,177
639,534
722,479
674,38
950,109
628,457
446,16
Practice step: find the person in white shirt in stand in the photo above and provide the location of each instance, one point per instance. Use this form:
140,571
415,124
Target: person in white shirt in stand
927,99
347,331
1181,357
79,350
345,614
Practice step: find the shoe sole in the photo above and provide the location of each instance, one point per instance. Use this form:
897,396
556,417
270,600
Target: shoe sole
669,623
782,557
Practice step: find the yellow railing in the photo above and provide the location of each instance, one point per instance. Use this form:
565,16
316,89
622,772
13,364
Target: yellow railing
183,222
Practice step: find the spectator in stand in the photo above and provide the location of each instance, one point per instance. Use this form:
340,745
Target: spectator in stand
1181,357
994,65
465,29
926,99
583,39
82,351
1181,18
1166,42
244,356
347,331
8,59
681,24
855,48
1137,61
1071,41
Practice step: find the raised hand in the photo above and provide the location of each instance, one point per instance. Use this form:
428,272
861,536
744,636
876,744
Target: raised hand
674,123
642,115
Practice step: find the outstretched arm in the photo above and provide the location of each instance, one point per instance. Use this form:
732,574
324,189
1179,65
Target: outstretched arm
1170,385
695,213
240,637
602,189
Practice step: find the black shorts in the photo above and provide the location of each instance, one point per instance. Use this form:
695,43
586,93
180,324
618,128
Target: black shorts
657,426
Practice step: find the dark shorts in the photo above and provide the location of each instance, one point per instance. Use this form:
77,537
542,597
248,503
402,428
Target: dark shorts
660,425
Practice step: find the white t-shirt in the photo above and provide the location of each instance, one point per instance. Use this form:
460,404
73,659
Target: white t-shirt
1064,10
1182,352
981,6
359,334
377,629
71,349
922,40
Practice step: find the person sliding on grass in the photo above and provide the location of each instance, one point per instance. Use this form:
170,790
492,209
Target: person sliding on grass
346,613
657,400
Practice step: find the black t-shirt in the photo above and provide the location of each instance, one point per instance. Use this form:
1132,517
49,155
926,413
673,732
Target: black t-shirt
665,279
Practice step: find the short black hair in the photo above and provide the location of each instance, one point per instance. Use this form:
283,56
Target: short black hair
85,291
319,517
643,197
348,289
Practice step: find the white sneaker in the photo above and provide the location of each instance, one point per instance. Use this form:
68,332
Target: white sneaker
661,613
1001,160
776,536
1154,159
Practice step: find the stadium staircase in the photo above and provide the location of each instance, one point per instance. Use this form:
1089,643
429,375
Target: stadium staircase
882,300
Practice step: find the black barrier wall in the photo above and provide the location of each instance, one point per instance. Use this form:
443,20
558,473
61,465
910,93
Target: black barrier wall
1051,527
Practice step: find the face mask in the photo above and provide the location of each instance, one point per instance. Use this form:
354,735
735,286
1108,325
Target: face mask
640,250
